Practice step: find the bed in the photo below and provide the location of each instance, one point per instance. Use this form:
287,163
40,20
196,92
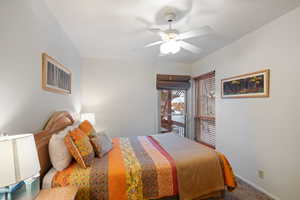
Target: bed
144,167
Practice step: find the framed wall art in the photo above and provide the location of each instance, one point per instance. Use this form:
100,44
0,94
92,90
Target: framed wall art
252,85
55,77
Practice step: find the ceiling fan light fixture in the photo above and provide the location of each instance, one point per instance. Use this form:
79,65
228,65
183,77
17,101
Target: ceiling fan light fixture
170,47
172,40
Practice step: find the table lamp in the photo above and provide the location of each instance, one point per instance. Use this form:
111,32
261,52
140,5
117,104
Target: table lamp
19,160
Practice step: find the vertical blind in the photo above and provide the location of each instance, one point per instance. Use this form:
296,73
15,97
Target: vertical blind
205,123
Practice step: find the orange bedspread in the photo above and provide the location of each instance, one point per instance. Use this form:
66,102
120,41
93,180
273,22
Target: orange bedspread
228,174
137,168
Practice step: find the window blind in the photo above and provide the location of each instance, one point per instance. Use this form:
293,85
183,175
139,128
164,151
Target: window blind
172,82
205,123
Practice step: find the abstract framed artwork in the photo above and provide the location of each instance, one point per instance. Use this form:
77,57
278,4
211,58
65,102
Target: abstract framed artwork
55,77
252,85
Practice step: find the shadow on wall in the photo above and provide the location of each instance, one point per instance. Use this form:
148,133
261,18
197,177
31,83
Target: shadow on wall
119,119
15,121
24,106
24,119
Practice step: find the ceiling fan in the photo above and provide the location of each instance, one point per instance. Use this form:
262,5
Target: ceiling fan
172,41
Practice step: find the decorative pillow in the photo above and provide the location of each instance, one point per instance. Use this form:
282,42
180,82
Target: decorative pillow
96,143
59,155
79,145
106,143
87,128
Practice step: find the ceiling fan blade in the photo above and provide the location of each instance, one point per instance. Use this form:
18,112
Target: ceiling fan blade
144,21
154,30
190,47
205,30
150,26
153,44
162,55
157,31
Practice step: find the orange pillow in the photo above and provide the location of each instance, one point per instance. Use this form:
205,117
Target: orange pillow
87,128
78,143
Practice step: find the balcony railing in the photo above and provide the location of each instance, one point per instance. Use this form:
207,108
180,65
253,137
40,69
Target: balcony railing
173,126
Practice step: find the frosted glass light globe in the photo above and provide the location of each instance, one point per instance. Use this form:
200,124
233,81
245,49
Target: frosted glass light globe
170,47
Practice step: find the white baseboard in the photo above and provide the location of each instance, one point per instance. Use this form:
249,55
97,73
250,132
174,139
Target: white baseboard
258,187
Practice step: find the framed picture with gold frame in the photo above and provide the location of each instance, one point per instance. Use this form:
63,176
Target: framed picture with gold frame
55,76
252,85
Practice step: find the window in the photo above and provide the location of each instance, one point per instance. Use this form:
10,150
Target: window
205,122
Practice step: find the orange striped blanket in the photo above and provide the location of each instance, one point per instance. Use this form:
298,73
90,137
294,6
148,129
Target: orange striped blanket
137,168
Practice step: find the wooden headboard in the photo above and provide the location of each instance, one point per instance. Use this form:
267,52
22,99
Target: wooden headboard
57,122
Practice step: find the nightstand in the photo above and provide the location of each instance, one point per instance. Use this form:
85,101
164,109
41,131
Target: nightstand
59,193
27,191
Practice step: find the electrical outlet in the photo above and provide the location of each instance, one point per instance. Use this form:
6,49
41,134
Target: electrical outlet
261,174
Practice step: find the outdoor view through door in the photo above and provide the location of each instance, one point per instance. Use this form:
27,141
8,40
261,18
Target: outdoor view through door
172,111
172,103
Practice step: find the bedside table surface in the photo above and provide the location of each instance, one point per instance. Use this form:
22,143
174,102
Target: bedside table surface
59,193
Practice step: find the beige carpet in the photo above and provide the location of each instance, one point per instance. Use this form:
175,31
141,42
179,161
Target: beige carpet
243,192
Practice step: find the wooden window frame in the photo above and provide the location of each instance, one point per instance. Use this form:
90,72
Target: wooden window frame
198,118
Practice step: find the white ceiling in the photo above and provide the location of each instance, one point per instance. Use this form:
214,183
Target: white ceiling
117,28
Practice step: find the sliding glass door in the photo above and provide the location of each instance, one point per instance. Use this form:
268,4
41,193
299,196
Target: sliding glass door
172,111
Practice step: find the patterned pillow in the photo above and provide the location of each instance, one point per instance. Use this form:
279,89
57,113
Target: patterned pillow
106,143
87,128
96,142
79,145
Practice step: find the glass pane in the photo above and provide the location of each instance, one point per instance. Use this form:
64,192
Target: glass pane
173,111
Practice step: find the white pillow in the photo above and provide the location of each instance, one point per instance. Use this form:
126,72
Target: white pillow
74,126
59,154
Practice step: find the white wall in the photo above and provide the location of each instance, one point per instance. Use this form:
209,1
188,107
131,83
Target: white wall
26,30
262,134
122,93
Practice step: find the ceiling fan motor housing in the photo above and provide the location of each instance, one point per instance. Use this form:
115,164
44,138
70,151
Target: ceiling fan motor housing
171,34
170,16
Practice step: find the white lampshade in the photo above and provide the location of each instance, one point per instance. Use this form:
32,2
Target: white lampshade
89,117
19,159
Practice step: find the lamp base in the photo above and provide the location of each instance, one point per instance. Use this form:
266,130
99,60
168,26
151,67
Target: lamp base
8,190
